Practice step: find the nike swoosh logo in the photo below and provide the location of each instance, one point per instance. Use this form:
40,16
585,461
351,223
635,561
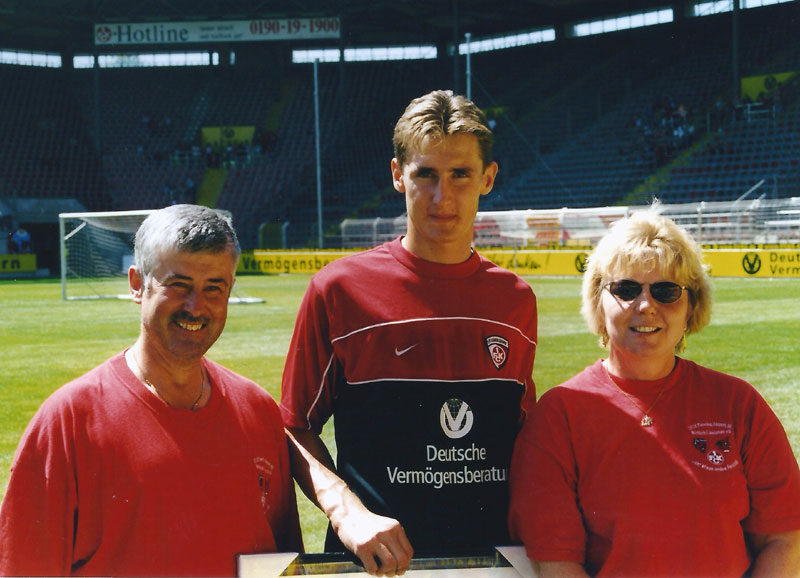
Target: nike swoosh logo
399,352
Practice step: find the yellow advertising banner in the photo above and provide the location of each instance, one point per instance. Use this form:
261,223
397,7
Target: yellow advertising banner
25,263
753,262
227,135
743,262
754,86
523,262
529,262
288,261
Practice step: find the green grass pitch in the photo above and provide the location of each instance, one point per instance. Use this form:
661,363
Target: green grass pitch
45,342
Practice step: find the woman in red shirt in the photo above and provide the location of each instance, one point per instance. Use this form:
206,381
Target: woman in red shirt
647,464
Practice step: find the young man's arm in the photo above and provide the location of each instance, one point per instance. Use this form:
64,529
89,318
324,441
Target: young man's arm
379,542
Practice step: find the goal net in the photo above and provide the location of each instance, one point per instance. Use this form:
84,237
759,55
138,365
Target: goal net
96,252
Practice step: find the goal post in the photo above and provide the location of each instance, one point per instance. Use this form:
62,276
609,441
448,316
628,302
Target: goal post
96,250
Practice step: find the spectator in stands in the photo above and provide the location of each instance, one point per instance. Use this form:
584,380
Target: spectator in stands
663,130
719,113
171,194
682,113
212,158
646,464
19,241
159,461
423,351
189,190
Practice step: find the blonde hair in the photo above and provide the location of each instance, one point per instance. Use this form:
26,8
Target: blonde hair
646,241
436,115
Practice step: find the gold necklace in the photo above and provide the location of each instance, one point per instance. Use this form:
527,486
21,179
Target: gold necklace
647,421
149,385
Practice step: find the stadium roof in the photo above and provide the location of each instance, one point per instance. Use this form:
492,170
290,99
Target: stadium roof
67,24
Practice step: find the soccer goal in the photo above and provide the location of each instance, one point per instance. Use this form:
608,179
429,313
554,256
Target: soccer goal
96,252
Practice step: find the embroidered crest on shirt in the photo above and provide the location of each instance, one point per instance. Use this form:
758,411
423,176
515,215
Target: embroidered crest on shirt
713,441
264,469
498,350
700,444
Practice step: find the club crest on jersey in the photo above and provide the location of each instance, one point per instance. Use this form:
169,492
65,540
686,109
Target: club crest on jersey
498,350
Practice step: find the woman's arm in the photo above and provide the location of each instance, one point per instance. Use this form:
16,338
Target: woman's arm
776,554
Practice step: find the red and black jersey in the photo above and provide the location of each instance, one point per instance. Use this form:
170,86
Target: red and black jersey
426,369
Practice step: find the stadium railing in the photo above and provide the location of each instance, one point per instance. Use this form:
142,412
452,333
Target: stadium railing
757,221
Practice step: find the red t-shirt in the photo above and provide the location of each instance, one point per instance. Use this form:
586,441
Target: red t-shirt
590,485
110,481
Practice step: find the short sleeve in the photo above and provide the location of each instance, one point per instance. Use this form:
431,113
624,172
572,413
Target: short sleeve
773,476
544,513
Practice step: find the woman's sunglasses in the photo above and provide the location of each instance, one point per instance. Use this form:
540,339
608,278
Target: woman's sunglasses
663,291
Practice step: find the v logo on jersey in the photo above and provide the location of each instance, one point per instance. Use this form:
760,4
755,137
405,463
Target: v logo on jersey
458,425
454,423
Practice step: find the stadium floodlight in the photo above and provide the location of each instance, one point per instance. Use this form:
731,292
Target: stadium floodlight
96,251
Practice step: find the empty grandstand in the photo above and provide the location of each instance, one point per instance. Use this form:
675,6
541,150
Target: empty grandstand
601,120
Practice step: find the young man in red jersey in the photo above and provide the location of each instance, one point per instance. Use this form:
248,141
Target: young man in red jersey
422,351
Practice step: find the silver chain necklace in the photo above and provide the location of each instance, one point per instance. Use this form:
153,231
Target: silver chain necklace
149,385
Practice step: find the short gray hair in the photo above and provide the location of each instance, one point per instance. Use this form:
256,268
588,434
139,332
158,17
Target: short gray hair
190,228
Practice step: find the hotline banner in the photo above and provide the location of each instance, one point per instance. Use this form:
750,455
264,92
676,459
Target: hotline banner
124,33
